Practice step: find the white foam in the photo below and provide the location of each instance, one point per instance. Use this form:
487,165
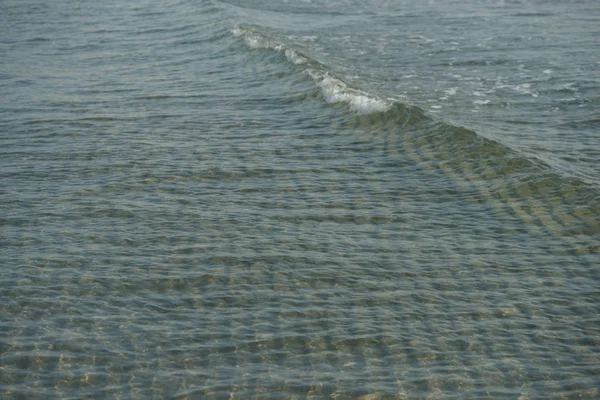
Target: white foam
238,31
525,89
253,40
336,91
295,58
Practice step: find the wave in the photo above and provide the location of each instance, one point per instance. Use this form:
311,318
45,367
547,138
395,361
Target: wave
505,172
333,88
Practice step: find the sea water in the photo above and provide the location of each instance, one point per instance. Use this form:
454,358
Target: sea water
326,199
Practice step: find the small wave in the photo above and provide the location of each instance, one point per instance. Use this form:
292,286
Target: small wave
334,89
435,136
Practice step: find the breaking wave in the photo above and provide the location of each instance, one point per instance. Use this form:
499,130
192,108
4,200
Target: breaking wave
333,88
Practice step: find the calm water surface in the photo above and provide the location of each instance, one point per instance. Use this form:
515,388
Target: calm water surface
311,199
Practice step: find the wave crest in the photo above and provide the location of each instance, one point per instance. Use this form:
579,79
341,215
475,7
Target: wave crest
334,89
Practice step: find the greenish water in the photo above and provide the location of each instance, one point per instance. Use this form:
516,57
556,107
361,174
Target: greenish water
324,200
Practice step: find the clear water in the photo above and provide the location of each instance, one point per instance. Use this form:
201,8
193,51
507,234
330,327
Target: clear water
312,199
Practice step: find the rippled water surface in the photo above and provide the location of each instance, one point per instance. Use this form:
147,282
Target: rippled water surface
311,199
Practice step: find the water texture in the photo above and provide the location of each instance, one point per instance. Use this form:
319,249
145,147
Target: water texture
287,200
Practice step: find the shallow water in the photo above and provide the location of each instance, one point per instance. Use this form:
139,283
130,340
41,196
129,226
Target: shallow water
314,199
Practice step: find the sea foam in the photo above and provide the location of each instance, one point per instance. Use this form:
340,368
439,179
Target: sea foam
336,91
